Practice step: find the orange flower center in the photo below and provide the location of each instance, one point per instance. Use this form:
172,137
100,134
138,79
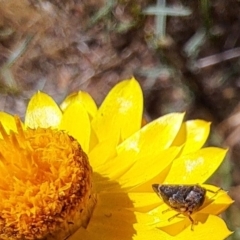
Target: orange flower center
45,184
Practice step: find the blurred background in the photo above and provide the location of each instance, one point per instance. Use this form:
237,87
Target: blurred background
185,54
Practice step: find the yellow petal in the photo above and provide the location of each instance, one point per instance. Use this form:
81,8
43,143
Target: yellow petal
76,122
145,144
112,219
102,152
195,167
137,234
82,97
151,234
8,122
217,200
180,226
166,220
194,134
144,201
93,140
214,228
157,179
109,214
106,226
42,111
144,169
155,136
120,113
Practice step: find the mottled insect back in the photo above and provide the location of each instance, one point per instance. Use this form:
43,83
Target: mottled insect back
185,199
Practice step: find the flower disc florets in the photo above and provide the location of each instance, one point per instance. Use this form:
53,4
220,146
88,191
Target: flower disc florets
45,184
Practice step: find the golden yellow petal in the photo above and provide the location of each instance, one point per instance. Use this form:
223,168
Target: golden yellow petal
137,147
42,111
82,97
102,152
139,234
112,219
158,134
196,167
163,213
120,113
109,214
144,201
76,122
8,122
155,233
217,200
213,228
180,226
140,202
193,134
148,167
207,230
157,179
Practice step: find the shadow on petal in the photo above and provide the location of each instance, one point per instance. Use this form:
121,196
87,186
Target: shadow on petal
182,222
112,217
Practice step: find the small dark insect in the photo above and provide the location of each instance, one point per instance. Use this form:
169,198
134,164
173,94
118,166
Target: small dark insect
185,199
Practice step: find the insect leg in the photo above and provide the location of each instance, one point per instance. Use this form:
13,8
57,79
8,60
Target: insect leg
171,218
167,210
215,192
192,222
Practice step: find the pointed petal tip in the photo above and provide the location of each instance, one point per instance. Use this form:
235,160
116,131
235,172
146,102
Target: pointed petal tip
155,187
42,111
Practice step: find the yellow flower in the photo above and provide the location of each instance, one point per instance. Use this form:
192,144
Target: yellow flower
48,189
